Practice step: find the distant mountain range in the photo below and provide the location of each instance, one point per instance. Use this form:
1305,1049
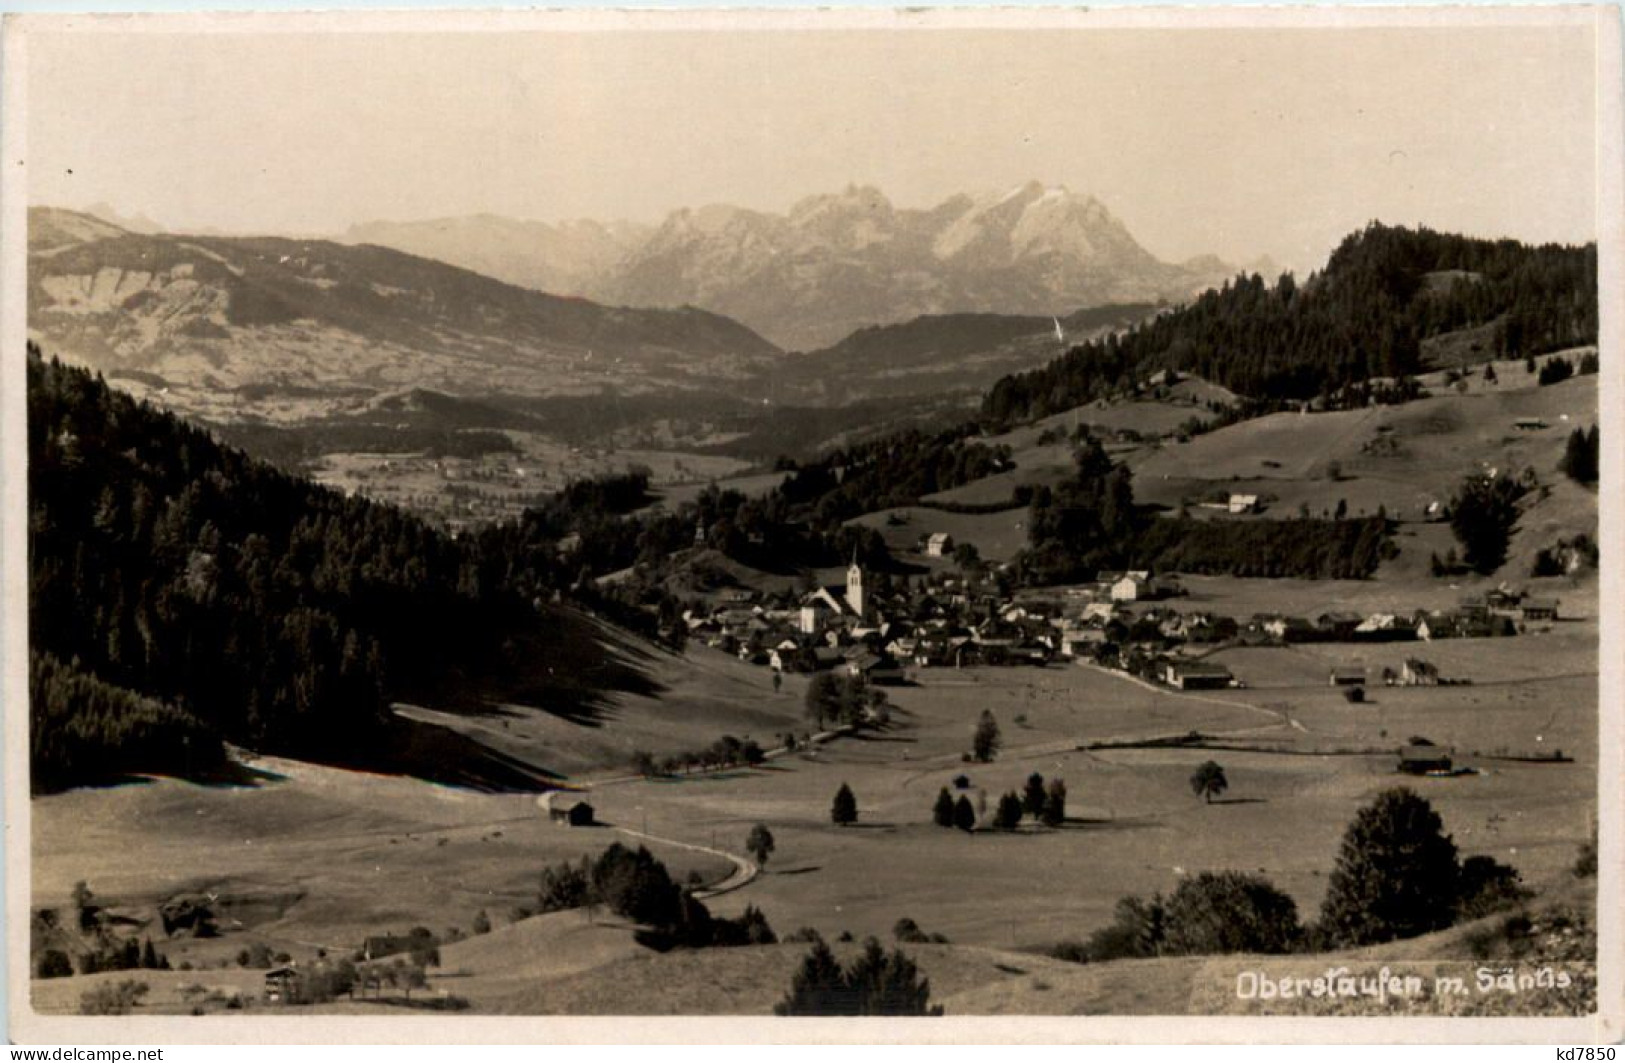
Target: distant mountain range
833,264
215,313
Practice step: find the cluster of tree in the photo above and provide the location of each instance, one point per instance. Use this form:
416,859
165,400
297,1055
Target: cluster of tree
1089,523
908,932
725,752
1580,551
1482,515
260,956
1210,912
108,955
1397,875
1363,316
947,812
1580,456
82,730
894,471
636,886
1556,370
842,700
875,984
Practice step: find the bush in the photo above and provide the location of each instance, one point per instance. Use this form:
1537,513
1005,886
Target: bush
113,999
1229,912
53,963
1585,865
1486,886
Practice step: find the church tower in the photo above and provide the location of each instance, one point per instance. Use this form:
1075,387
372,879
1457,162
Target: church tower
854,586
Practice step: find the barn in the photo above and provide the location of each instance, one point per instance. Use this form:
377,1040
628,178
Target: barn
1198,675
567,809
1424,760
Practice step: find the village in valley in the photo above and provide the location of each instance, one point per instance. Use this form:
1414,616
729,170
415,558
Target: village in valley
1124,620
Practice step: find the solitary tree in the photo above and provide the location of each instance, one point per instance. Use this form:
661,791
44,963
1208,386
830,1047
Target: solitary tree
942,813
844,810
964,814
83,904
985,742
1033,796
1054,813
760,843
482,922
1579,459
1208,781
1396,874
1482,515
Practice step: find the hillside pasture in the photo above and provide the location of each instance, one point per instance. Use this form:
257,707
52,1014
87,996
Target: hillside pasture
997,536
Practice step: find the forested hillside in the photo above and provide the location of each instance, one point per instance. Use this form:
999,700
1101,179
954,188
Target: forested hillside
260,608
1383,291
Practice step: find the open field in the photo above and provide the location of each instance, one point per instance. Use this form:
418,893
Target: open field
319,857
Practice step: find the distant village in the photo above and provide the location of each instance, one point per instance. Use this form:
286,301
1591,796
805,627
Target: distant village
886,633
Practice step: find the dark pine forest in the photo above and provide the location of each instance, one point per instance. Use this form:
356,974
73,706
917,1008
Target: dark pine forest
1383,291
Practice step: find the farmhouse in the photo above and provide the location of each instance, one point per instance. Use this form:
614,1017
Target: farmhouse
1418,673
940,544
283,985
1243,503
1348,677
1338,625
1198,675
567,809
1540,609
1126,586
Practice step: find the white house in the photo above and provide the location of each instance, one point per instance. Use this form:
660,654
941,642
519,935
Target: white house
940,544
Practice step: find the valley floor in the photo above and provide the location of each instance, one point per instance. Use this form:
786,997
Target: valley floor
312,857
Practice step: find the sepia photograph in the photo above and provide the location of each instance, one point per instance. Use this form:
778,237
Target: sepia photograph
1085,521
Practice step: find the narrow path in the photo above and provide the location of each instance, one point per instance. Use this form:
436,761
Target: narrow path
1280,717
744,872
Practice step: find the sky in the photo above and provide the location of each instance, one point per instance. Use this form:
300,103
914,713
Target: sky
1235,142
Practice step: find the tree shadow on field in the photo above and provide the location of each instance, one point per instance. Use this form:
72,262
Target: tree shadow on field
1106,824
1239,801
438,754
561,662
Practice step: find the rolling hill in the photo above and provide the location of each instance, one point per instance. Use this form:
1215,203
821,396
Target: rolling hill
940,353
